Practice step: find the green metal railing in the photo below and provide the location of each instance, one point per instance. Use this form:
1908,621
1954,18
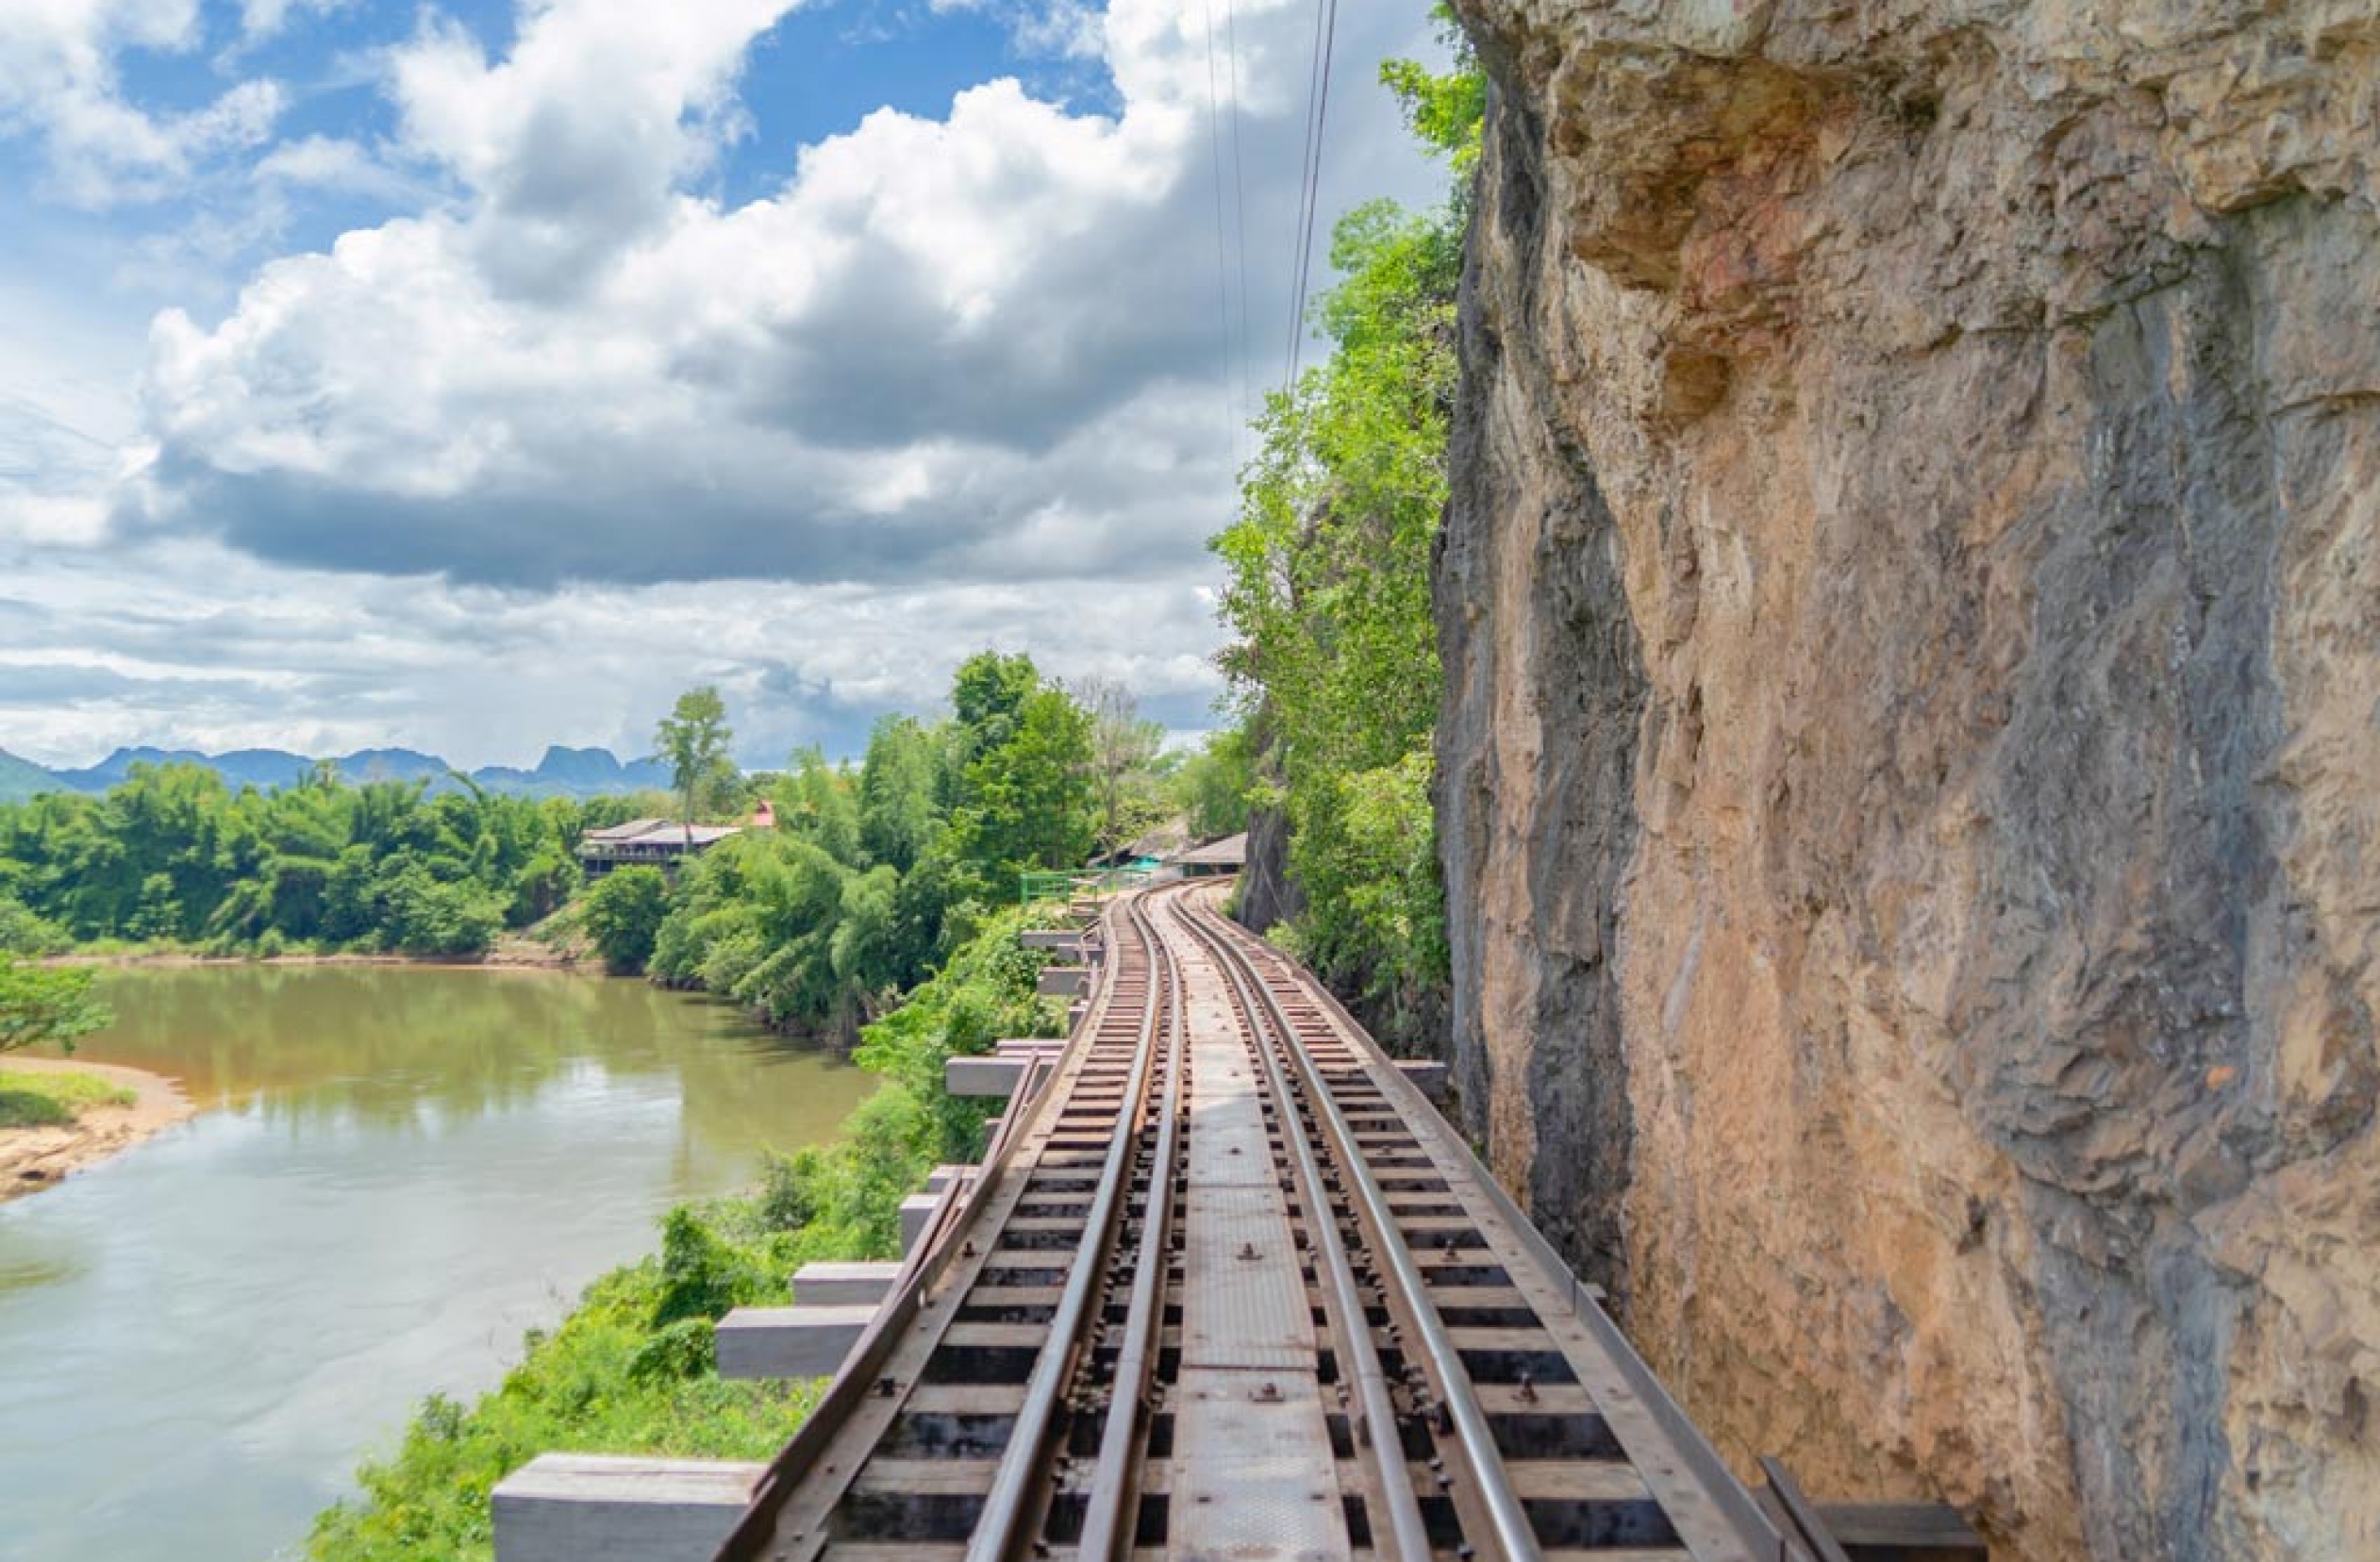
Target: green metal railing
1081,881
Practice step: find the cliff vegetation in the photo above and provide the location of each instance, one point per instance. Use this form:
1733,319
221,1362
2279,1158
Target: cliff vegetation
1334,664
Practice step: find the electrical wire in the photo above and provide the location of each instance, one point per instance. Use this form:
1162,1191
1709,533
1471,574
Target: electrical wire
1318,99
1240,211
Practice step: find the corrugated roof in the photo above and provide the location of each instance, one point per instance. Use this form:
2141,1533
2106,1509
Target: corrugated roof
660,832
629,831
1230,852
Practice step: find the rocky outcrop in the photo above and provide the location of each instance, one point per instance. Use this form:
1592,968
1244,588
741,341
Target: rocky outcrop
1911,769
1267,894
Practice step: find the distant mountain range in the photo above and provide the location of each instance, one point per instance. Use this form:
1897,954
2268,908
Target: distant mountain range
562,773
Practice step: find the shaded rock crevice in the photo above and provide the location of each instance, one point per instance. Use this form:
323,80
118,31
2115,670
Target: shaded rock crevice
1550,569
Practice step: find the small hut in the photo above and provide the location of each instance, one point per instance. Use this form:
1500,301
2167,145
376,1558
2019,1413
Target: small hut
652,842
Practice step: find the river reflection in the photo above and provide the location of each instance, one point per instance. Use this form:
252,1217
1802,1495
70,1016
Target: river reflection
396,1172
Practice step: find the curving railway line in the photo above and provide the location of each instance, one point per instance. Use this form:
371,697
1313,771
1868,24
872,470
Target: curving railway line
1226,1285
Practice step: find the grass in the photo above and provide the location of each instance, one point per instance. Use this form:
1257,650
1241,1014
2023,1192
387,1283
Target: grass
54,1100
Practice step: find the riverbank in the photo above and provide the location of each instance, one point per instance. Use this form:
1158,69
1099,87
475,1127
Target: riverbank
37,1157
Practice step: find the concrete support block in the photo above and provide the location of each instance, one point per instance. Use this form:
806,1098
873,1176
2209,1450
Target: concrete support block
942,1176
1066,940
592,1507
995,1076
789,1342
845,1283
1063,981
916,1210
1426,1072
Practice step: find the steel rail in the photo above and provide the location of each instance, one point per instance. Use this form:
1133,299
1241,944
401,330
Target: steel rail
1515,1536
1005,1505
857,1378
1410,1531
1108,1527
1688,1451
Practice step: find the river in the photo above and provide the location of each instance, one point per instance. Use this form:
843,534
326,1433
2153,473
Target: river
394,1172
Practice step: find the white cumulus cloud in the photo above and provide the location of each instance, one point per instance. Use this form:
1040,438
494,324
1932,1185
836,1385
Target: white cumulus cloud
941,345
60,83
949,380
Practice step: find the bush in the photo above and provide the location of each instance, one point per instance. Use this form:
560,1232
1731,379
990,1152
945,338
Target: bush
625,911
703,1274
788,1200
686,1349
23,932
425,915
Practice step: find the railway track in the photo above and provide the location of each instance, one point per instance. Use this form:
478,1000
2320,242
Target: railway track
1228,1285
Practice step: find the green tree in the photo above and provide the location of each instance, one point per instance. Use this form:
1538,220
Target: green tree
693,738
1443,110
25,932
1123,747
174,854
1334,664
1030,799
815,801
625,911
46,1004
549,877
1211,787
422,914
898,816
987,695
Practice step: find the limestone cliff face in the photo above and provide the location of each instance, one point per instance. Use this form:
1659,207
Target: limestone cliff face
1911,758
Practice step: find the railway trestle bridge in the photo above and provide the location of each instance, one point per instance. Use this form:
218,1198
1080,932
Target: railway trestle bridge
1225,1285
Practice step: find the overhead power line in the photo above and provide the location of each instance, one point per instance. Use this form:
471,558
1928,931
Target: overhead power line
1240,209
1317,117
1234,380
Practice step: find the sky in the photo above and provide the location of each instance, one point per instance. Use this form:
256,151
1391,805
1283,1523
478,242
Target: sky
473,375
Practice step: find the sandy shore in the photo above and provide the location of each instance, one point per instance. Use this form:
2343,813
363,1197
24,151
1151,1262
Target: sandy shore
34,1159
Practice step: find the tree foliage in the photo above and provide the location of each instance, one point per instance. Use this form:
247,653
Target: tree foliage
693,738
1334,665
1443,111
873,875
175,855
899,782
1026,797
1213,785
42,1006
623,915
1124,747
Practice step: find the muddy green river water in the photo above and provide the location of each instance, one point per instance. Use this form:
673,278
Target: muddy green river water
395,1174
